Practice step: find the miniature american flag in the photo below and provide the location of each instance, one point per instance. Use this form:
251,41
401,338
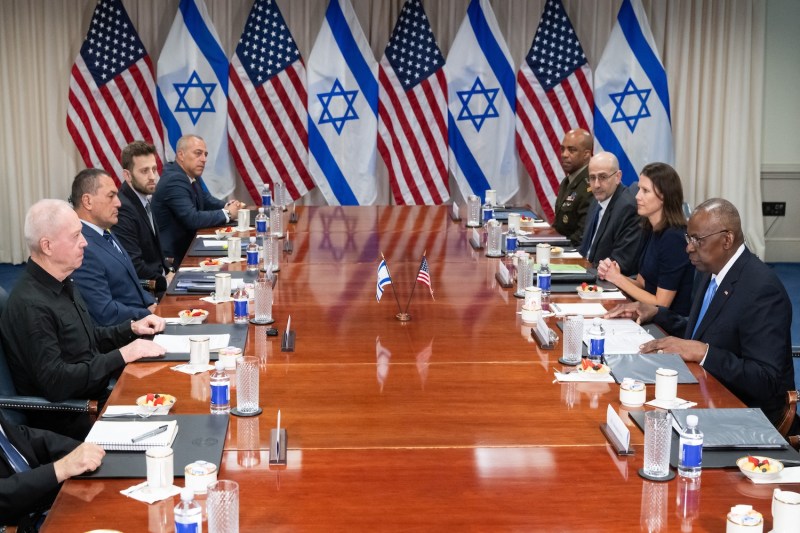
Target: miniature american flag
424,274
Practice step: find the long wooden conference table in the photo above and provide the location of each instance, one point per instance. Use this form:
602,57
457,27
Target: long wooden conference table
449,421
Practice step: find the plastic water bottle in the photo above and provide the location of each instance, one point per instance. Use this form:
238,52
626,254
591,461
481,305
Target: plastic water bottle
240,313
220,390
487,212
597,340
690,463
543,280
188,514
262,225
511,241
266,197
252,255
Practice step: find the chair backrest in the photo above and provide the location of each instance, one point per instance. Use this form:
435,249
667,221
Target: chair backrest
7,387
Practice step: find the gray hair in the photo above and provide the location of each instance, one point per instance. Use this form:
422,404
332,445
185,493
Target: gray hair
42,218
727,215
184,140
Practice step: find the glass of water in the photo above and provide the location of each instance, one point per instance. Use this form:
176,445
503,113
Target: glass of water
573,339
657,443
473,211
247,384
263,301
223,507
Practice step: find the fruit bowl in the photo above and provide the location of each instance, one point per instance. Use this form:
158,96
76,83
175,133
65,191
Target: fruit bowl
192,316
224,233
758,467
585,288
155,399
210,265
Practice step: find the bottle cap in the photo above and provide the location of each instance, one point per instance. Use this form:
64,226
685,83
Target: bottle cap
187,494
691,421
219,365
261,210
252,239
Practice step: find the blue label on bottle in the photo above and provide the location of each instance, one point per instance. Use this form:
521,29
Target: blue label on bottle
511,244
252,257
240,307
261,226
692,455
220,394
266,200
597,347
543,281
488,214
187,528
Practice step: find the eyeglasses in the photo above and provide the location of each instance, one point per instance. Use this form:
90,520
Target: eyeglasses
694,241
602,178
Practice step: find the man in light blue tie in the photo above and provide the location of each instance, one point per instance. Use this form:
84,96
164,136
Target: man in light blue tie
107,278
739,327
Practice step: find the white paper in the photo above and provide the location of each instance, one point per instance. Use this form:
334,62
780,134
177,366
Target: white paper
180,343
569,255
145,494
215,244
623,335
567,309
617,427
207,236
134,410
186,368
677,403
604,295
572,377
502,269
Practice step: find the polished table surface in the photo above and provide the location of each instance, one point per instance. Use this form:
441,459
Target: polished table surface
451,420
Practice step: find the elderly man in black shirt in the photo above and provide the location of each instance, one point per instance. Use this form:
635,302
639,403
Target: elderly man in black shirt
53,347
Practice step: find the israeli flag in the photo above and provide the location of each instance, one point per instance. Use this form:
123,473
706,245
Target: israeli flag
193,92
343,109
631,97
482,103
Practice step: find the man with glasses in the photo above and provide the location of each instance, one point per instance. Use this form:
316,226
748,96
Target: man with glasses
613,229
739,327
574,193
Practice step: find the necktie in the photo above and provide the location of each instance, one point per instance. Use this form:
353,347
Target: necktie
198,195
109,238
149,210
593,233
15,458
710,291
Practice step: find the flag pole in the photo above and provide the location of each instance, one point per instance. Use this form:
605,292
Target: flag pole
396,299
415,281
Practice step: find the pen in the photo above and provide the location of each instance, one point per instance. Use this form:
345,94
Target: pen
159,429
278,436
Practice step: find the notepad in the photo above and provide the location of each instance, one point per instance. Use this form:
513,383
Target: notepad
118,436
591,309
180,343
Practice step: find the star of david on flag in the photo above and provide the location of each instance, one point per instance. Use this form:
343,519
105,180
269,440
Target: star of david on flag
384,279
554,96
482,102
193,91
343,109
267,99
337,106
631,97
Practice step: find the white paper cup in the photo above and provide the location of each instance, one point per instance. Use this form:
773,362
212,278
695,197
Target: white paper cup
199,475
513,221
228,356
234,248
222,287
666,384
159,467
199,349
491,196
243,219
543,254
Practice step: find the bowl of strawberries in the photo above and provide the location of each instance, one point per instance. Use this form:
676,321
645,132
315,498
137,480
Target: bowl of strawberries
192,316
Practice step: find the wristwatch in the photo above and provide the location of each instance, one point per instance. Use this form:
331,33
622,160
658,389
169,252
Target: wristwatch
227,214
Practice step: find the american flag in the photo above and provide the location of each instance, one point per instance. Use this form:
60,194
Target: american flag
424,274
554,95
412,125
112,91
267,114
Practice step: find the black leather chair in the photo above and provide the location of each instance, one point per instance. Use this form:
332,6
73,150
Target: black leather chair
14,405
788,423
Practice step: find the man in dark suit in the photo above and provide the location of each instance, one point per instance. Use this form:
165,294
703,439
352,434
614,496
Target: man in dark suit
107,280
574,193
135,228
612,229
739,327
32,471
182,205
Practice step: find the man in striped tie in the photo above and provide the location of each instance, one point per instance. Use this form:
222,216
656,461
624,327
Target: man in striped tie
33,464
739,327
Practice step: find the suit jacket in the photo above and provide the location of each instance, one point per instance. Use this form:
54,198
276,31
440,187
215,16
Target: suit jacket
572,205
180,211
109,284
747,327
23,493
619,235
139,239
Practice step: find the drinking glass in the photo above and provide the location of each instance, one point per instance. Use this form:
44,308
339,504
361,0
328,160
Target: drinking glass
263,300
657,442
223,507
234,248
524,275
473,211
573,338
247,384
276,220
495,232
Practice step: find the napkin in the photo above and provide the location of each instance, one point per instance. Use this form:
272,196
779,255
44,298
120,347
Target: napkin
787,475
145,494
186,368
228,260
677,403
571,377
119,410
212,300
